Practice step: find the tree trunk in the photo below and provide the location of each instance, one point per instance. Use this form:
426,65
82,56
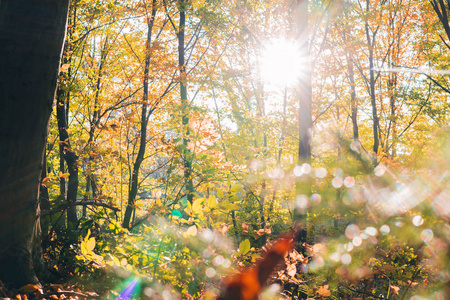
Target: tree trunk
31,39
353,103
184,102
304,91
372,82
69,155
44,197
304,87
144,121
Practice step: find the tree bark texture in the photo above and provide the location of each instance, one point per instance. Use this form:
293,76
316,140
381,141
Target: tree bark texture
144,121
31,39
184,102
69,155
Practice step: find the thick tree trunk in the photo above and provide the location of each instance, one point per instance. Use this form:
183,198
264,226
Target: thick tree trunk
144,121
31,39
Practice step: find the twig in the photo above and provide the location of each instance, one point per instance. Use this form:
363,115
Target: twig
411,281
65,206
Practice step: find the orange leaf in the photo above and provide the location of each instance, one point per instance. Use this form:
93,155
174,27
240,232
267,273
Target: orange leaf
324,291
64,68
395,289
245,227
248,284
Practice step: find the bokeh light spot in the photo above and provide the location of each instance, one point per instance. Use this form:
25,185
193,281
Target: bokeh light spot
372,231
349,181
385,229
357,241
346,259
210,272
380,170
427,235
337,182
218,260
321,172
316,198
352,231
298,171
306,168
417,220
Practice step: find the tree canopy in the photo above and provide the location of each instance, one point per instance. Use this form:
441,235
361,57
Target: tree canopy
301,144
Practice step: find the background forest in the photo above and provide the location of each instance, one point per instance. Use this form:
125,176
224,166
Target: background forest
186,136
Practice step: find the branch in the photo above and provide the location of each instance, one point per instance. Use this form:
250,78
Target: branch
77,203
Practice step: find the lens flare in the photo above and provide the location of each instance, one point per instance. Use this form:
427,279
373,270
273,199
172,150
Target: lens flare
130,291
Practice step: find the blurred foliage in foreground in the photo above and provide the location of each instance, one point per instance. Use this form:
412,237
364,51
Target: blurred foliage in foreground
373,233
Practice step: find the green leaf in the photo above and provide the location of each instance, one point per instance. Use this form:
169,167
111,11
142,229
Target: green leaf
234,198
244,246
176,213
236,188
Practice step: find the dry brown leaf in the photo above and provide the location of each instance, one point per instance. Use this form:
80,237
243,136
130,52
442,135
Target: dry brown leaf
291,270
388,268
245,227
64,68
297,257
224,228
395,289
29,288
412,283
324,291
248,284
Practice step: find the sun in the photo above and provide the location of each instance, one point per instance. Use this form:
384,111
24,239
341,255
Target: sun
282,63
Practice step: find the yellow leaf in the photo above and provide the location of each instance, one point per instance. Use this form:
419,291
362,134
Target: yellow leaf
197,205
220,193
244,246
90,245
63,175
212,201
